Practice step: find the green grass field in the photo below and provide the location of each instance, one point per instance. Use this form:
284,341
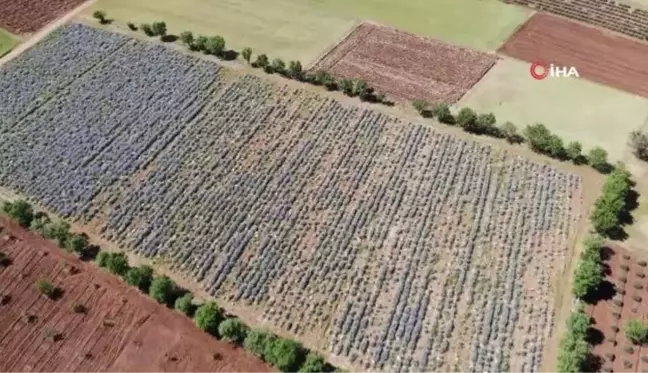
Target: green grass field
302,29
7,42
573,108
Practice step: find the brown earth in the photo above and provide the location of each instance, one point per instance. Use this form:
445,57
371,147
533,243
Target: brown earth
121,329
598,55
406,66
624,271
27,16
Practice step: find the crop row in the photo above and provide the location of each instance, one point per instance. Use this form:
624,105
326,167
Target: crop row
401,247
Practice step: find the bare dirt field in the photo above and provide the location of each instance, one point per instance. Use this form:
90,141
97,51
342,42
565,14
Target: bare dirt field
405,66
120,330
623,297
599,56
27,16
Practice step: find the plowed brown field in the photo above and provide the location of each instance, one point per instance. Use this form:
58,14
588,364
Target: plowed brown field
406,66
122,330
599,56
27,16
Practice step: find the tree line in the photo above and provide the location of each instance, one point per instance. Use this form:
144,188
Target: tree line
284,354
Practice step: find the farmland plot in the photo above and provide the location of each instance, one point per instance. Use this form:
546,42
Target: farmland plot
399,247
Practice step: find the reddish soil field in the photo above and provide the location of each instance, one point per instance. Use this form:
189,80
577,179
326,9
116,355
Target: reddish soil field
598,55
612,15
122,330
627,272
406,66
27,16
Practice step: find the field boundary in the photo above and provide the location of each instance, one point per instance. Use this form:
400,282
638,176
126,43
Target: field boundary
333,46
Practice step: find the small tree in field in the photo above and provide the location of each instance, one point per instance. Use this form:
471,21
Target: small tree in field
295,70
187,38
200,44
162,289
147,29
185,304
510,132
257,340
314,363
102,259
279,66
100,15
420,106
117,264
77,242
261,61
485,123
159,28
246,53
587,278
597,158
636,331
208,317
232,330
361,89
59,231
346,86
47,289
140,277
20,211
573,151
284,354
638,142
443,114
215,45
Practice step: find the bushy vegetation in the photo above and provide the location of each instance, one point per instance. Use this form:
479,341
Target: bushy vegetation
48,289
574,349
611,210
588,275
185,304
638,142
140,277
115,263
257,340
284,354
208,317
100,15
233,330
636,331
20,211
162,289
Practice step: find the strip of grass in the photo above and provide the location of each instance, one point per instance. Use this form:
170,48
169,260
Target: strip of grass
7,42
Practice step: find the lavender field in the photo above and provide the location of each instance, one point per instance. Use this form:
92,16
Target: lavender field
400,247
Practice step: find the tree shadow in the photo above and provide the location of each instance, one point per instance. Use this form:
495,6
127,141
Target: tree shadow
594,336
607,253
89,253
618,234
169,38
229,55
593,363
605,291
106,21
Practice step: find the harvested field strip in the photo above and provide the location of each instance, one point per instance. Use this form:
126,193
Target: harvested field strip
7,42
612,15
599,56
27,16
144,336
271,194
404,65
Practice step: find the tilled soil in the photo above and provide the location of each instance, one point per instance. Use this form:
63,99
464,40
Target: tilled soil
27,16
598,55
121,329
406,66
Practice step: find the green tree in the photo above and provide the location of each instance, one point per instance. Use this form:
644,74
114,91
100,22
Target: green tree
466,119
636,331
20,211
162,289
572,355
185,304
232,330
555,147
592,246
284,354
420,106
159,28
39,224
361,89
187,38
59,231
147,29
578,323
329,82
46,288
117,264
314,363
295,70
99,15
510,133
257,340
261,61
587,278
246,53
200,44
597,158
140,277
208,317
346,86
573,151
102,259
215,45
443,114
638,142
279,66
77,242
485,123
538,137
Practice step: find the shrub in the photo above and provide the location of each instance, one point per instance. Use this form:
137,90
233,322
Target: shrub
261,61
419,105
215,45
46,288
159,28
20,211
314,363
644,359
638,142
610,208
443,114
117,264
295,70
140,277
100,15
208,317
102,259
284,354
623,279
58,231
232,330
185,304
39,224
485,124
636,331
361,89
572,354
618,302
346,86
641,275
162,289
77,242
616,315
509,131
279,66
78,308
200,43
246,53
132,26
329,82
597,158
187,38
466,119
574,152
638,286
257,340
587,278
147,29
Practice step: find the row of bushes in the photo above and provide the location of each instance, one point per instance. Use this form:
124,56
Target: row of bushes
612,210
539,138
284,354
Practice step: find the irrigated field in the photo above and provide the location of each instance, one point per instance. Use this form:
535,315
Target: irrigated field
26,16
116,329
599,56
387,243
406,66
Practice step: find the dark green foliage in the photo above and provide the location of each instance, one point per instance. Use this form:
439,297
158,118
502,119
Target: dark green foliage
102,259
159,28
187,38
47,289
200,43
284,354
485,124
279,66
574,349
257,341
185,304
100,15
77,242
362,90
20,211
443,114
162,289
315,363
147,29
261,61
233,330
295,70
556,147
117,264
638,142
58,231
140,277
328,81
246,53
588,276
421,106
466,119
542,141
39,223
215,45
597,158
346,86
132,26
208,317
610,209
636,331
573,152
509,131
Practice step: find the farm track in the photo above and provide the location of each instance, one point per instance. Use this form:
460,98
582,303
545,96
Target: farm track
395,246
598,55
121,329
